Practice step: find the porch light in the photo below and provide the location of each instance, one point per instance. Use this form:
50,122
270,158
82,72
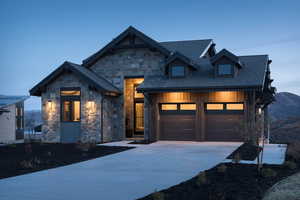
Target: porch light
259,111
50,105
91,107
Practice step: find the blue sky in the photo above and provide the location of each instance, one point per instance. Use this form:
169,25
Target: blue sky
37,36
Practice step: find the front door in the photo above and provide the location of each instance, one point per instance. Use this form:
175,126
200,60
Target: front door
70,115
139,117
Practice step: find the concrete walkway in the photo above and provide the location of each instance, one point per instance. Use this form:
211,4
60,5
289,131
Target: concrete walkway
123,176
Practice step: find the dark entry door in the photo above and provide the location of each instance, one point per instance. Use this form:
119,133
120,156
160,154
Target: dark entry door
177,122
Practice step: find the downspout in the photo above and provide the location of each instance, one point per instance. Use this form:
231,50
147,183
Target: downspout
102,100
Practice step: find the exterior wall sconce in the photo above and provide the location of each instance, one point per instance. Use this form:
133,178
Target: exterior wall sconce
91,107
50,105
259,111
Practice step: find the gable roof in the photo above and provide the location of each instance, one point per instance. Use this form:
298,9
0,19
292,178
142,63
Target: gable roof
252,76
177,55
190,48
227,54
130,30
9,100
85,74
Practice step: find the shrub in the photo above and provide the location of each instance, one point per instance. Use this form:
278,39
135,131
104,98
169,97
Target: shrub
268,172
236,158
26,164
201,179
290,165
222,168
88,146
293,151
158,196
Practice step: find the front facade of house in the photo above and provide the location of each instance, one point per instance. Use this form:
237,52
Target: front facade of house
136,87
11,118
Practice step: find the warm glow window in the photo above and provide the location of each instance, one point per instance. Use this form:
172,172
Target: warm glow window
168,106
70,105
188,106
212,106
235,106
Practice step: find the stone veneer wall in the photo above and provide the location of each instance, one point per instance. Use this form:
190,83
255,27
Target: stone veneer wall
90,121
128,63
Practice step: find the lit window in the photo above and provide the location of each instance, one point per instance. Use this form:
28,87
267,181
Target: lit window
169,107
177,71
70,92
190,106
225,69
235,106
214,106
71,111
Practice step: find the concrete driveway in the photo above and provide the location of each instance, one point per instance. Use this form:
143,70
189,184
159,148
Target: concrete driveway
127,175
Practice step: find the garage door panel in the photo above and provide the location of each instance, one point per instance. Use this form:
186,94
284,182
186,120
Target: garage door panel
223,127
177,127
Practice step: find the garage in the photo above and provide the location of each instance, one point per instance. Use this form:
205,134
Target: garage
177,121
224,121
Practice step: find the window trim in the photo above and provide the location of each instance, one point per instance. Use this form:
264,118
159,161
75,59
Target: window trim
180,76
70,98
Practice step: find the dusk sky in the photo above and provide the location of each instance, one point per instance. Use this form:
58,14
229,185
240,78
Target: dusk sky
37,36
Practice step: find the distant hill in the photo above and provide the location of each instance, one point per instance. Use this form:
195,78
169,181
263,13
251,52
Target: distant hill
285,118
287,105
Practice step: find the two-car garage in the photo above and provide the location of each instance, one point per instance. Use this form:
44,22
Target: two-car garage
222,121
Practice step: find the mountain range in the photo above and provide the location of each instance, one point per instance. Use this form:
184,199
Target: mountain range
285,118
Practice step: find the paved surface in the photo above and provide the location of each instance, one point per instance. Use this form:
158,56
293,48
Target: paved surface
127,175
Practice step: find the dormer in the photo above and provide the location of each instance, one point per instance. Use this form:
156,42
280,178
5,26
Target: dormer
226,64
179,66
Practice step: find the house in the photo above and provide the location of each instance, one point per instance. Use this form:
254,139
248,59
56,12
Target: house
136,87
11,118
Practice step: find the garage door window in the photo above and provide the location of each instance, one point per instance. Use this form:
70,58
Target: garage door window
235,106
166,107
188,106
224,107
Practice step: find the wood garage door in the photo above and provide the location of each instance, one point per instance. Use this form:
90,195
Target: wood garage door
224,124
177,122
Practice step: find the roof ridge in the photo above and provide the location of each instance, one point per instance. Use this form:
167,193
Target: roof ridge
186,40
254,55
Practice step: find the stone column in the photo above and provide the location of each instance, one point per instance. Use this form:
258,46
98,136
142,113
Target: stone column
266,124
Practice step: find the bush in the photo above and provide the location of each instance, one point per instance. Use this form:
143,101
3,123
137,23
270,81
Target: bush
290,165
222,168
293,151
88,146
158,196
201,179
268,173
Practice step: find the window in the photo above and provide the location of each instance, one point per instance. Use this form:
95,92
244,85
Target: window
177,71
188,106
70,92
225,69
71,111
70,105
225,107
235,106
168,106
